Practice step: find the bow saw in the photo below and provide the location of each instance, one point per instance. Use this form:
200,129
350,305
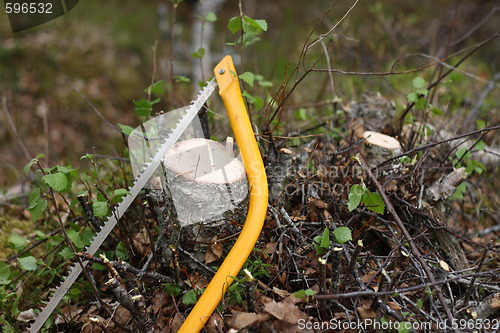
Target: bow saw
230,92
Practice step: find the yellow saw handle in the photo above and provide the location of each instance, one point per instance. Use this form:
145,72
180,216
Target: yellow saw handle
229,90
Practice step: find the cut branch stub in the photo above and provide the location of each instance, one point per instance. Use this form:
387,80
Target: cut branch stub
205,180
380,147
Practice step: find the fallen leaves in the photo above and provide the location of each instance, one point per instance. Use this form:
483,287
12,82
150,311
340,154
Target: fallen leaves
214,252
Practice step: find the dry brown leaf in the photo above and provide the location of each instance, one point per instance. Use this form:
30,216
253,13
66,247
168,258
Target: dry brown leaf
395,306
176,322
122,315
311,271
391,186
159,301
247,319
94,324
294,300
270,248
141,242
368,276
161,322
215,324
214,252
285,311
319,203
365,311
495,303
280,292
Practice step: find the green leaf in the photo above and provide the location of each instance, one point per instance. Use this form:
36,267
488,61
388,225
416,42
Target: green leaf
300,114
373,201
325,239
143,107
173,289
121,251
456,76
304,293
126,129
74,236
404,327
17,241
28,166
420,303
100,208
256,26
342,235
265,84
480,145
462,153
418,83
300,294
322,242
156,88
38,210
118,195
234,24
181,79
355,194
34,197
87,156
28,263
64,169
58,181
74,293
480,124
474,166
190,297
211,17
248,77
258,103
248,96
66,253
310,292
412,97
437,112
4,271
421,103
200,53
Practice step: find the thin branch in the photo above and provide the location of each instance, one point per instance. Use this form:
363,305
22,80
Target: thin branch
372,293
110,124
432,144
125,267
13,128
408,237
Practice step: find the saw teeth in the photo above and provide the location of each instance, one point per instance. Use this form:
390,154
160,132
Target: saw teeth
115,216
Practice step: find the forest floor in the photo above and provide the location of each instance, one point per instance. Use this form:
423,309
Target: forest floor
357,236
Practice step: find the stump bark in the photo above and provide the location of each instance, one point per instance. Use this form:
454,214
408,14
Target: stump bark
208,188
205,180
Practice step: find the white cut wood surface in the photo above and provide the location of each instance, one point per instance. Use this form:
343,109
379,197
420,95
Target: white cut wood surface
380,147
205,180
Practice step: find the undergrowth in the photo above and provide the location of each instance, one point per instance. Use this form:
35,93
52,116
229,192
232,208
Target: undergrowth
346,237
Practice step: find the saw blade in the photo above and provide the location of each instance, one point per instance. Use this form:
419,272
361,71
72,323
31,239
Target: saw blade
118,212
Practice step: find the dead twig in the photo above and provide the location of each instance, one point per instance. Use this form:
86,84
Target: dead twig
125,267
13,128
437,143
408,237
368,293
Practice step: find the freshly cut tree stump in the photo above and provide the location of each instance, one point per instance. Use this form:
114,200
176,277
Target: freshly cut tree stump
205,180
380,147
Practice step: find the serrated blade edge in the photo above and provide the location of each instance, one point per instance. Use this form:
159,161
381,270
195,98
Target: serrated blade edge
118,212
